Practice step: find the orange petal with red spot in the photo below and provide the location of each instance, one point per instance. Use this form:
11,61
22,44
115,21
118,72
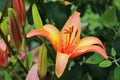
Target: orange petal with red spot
87,41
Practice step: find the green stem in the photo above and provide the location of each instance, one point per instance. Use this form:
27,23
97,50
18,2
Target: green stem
49,53
4,10
24,46
26,59
13,53
15,74
116,62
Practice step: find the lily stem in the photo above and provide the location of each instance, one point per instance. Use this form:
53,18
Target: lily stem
49,53
17,76
24,44
13,53
4,10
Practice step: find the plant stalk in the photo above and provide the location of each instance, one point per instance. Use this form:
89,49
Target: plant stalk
4,10
13,53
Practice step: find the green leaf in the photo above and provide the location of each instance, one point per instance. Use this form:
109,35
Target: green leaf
117,73
0,14
117,3
94,59
4,27
28,28
105,63
110,16
113,52
36,17
7,76
118,33
29,60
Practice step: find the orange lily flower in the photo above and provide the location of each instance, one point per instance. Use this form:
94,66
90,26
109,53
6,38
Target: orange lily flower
67,43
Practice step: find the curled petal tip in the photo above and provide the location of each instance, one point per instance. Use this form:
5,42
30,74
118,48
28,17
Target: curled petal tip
76,13
33,33
27,35
106,57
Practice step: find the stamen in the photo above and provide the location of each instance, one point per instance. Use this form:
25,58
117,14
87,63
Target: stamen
76,33
68,33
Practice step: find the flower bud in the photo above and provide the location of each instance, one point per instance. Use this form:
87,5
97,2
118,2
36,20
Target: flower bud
15,29
19,7
3,54
36,17
42,61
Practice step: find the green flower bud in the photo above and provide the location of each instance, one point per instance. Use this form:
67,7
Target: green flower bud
36,17
42,61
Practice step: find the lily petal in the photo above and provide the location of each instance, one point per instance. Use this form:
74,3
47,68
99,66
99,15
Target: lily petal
87,49
61,62
50,32
71,30
87,41
32,75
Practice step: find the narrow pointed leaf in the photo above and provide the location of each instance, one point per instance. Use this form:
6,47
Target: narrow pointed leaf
29,60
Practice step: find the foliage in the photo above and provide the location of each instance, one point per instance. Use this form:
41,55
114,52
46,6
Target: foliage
100,18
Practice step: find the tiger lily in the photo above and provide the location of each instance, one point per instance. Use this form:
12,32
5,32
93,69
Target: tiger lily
67,43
